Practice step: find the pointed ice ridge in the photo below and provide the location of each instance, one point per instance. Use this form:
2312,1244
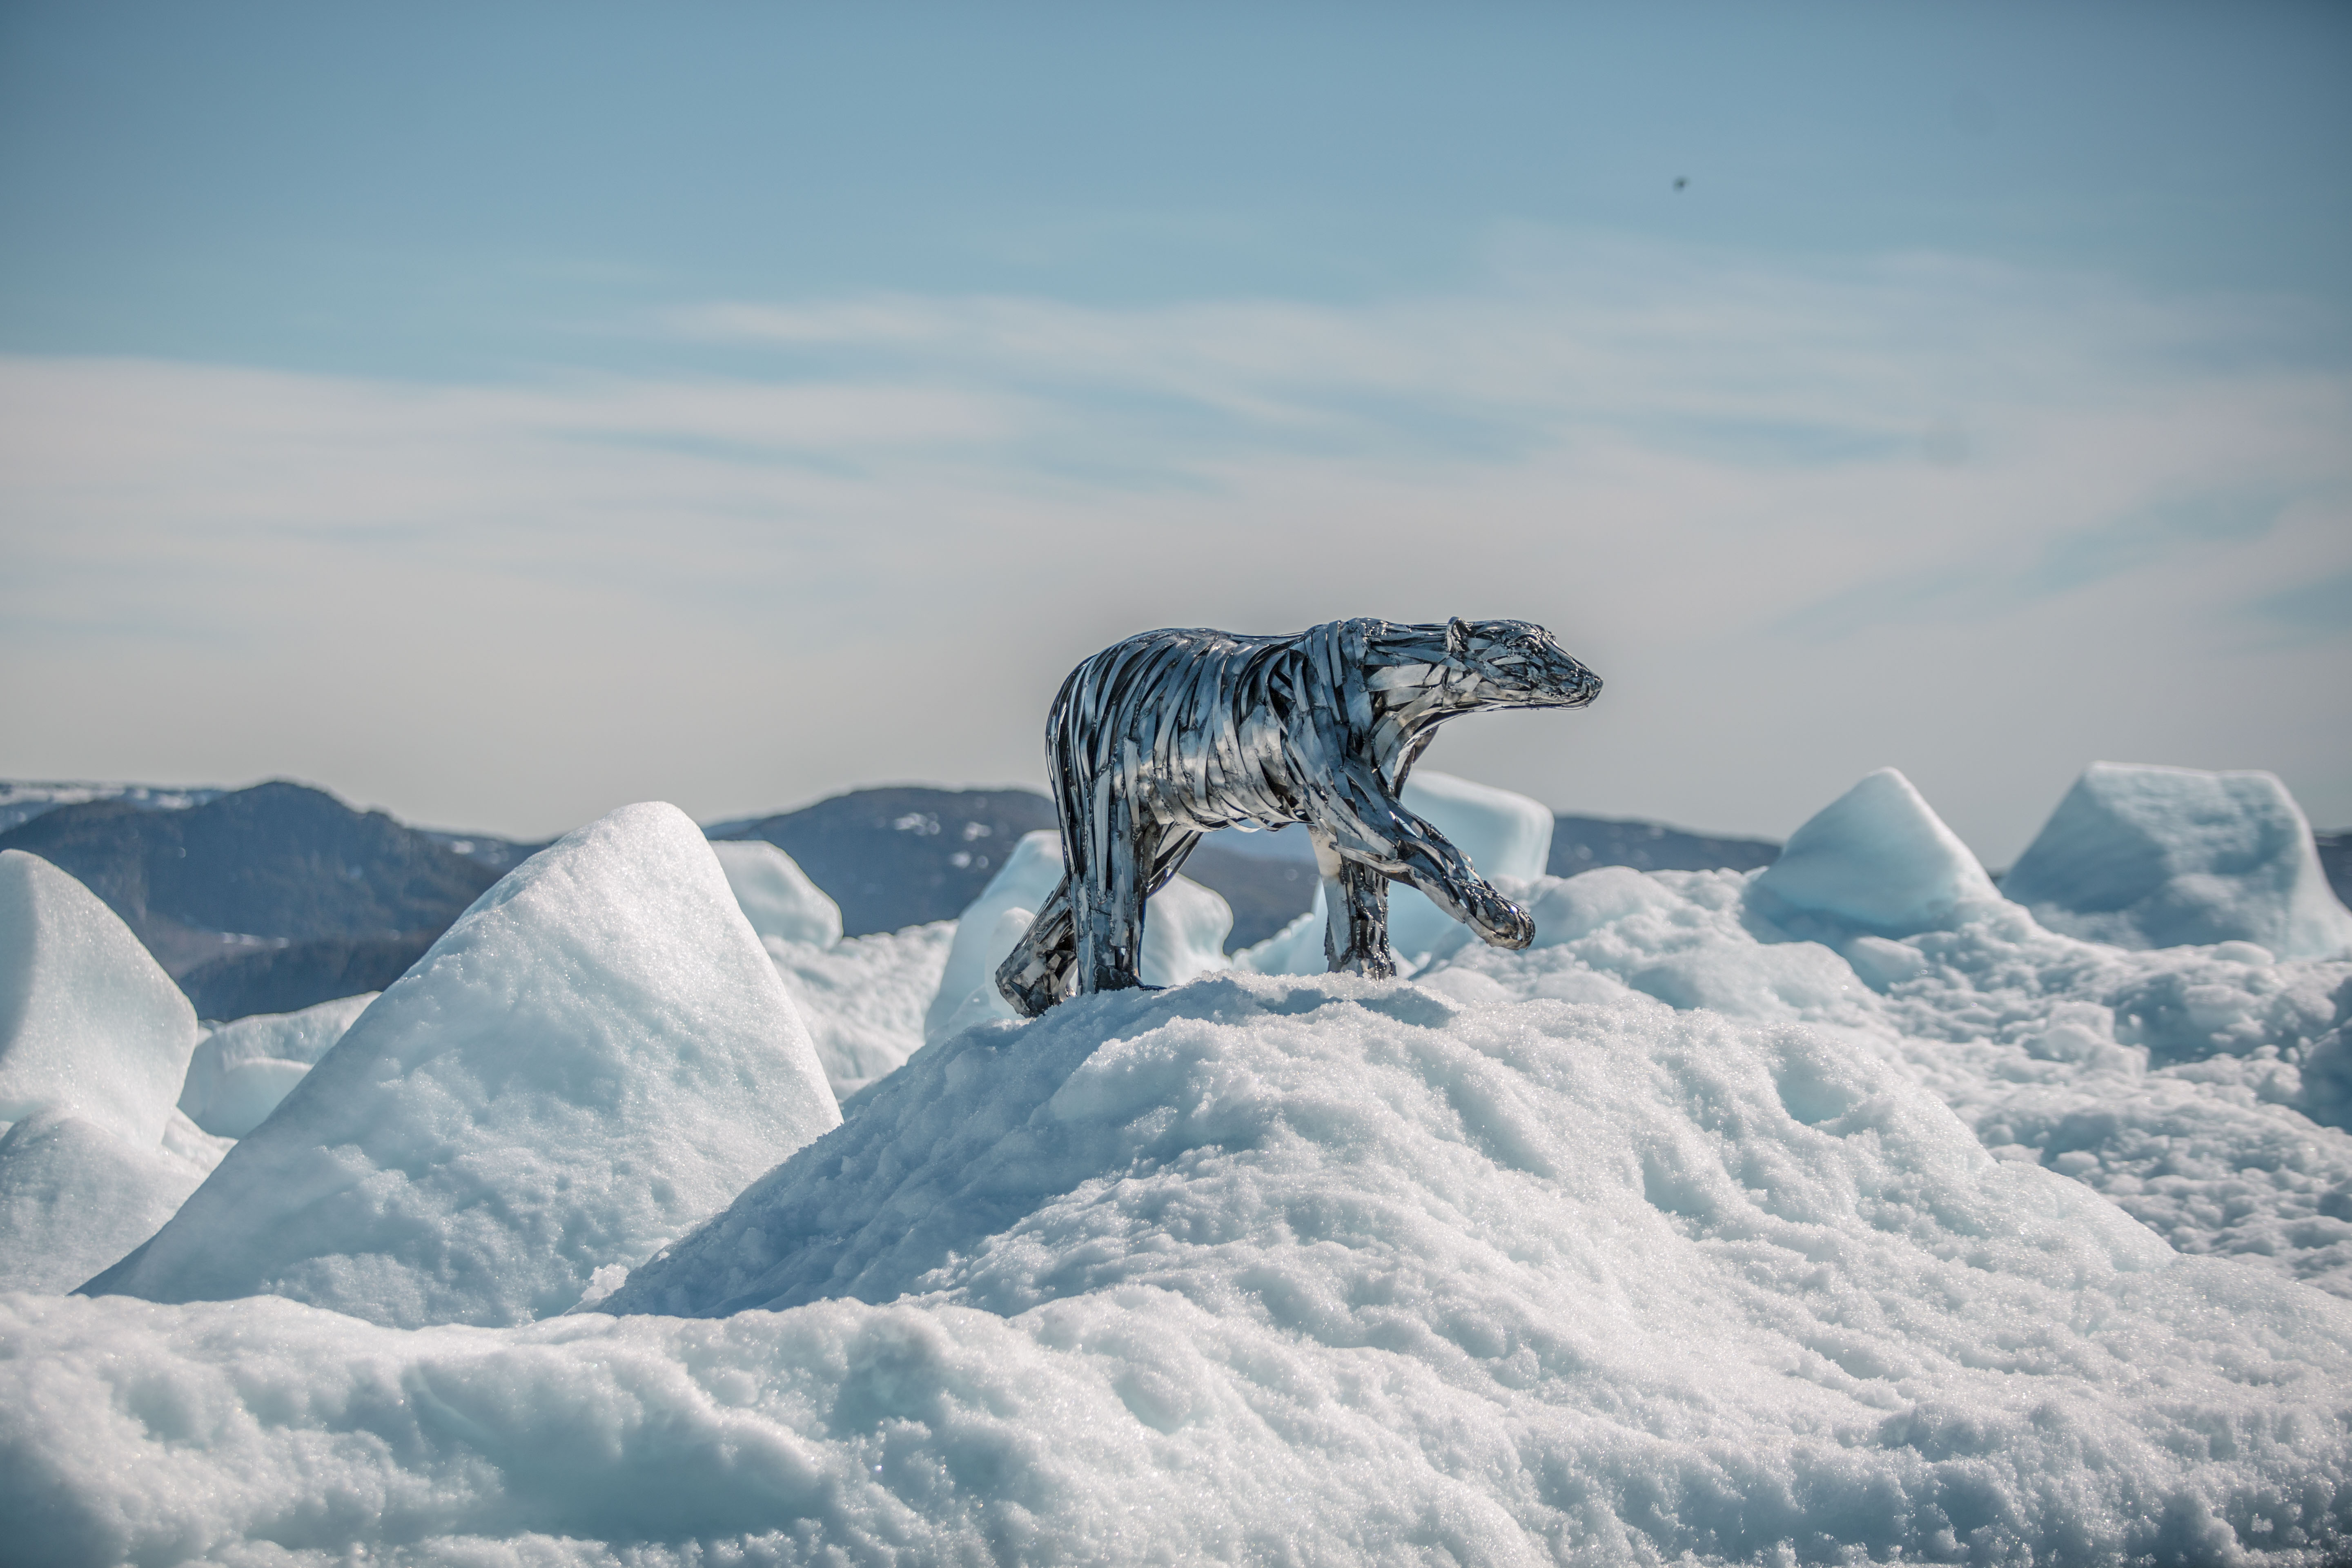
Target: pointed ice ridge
2156,856
777,896
94,1041
595,1056
88,1023
1877,860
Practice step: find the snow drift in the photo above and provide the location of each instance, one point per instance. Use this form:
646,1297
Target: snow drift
598,1054
2154,856
242,1070
863,998
1312,1270
75,1194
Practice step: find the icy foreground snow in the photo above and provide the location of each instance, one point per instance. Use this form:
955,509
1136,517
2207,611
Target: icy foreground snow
1318,1270
597,1054
1733,1219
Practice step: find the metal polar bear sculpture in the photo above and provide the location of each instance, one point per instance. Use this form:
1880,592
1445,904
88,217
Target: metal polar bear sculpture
1171,734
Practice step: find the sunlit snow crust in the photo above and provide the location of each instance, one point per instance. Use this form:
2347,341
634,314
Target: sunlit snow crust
1312,1270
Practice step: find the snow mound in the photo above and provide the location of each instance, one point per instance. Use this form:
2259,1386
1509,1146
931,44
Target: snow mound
1515,1263
2156,856
89,1024
75,1195
1876,860
1618,1281
776,895
2181,1083
863,998
1507,838
241,1071
1184,929
597,1054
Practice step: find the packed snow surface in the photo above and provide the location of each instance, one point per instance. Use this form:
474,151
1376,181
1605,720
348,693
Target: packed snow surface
1316,1271
1507,838
863,998
776,895
1813,1223
75,1195
2155,856
89,1024
242,1070
1184,929
596,1056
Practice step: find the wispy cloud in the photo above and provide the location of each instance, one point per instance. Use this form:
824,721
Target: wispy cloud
1832,517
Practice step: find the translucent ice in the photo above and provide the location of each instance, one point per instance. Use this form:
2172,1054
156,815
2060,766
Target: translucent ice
596,1056
89,1024
1184,929
242,1070
1876,860
777,897
2155,856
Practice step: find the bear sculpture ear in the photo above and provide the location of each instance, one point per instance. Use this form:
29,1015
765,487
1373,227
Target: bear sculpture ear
1458,639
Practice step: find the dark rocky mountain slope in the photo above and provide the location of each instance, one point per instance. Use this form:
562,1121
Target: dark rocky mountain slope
266,898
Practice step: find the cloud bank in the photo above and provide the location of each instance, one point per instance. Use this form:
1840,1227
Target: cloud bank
1980,523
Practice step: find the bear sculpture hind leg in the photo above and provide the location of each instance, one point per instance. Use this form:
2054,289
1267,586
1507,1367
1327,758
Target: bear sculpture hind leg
1036,972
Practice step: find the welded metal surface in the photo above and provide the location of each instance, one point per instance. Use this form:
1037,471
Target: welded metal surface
1166,736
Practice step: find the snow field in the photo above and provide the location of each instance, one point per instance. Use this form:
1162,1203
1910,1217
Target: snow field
1769,1218
596,1056
1319,1271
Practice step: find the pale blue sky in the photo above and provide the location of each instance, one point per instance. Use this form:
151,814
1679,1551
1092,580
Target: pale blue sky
498,413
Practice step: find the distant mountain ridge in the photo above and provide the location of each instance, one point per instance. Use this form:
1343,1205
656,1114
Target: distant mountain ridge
260,899
273,898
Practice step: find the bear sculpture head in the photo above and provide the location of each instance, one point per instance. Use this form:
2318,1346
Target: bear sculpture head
1465,666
